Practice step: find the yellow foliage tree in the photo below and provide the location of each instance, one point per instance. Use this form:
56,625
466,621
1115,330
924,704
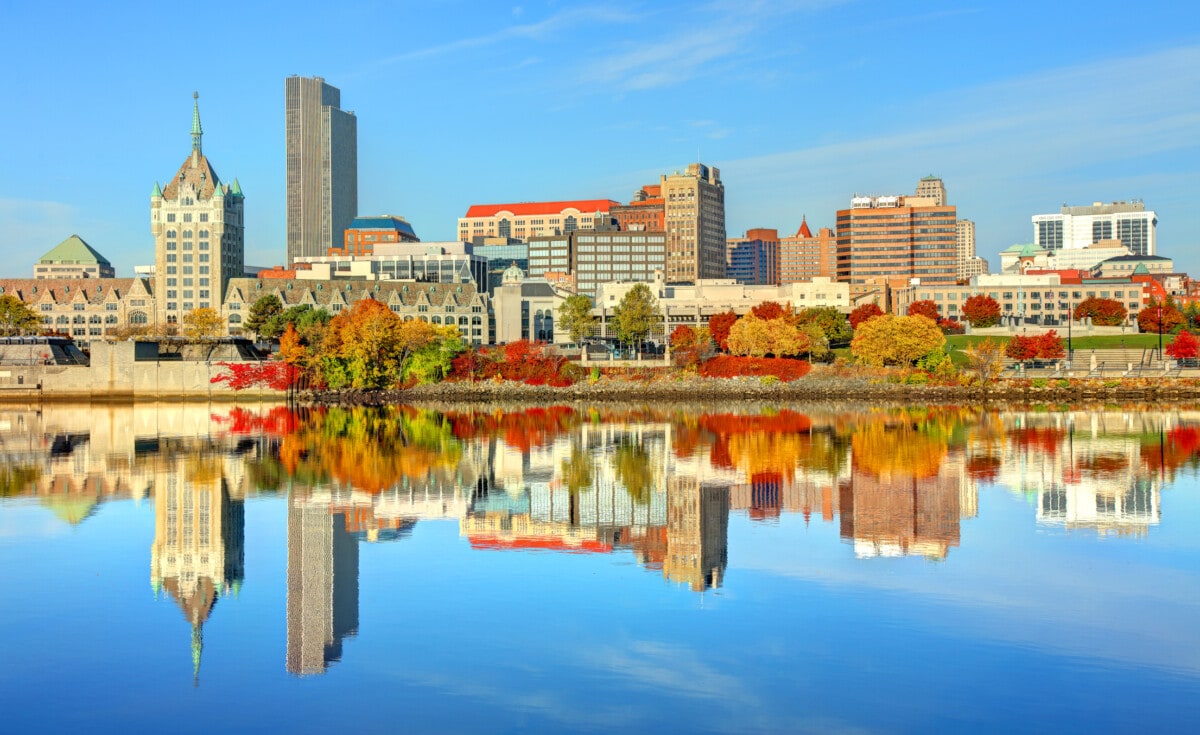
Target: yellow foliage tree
201,324
896,340
757,337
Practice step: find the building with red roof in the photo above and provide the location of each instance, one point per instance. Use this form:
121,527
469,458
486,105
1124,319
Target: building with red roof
523,220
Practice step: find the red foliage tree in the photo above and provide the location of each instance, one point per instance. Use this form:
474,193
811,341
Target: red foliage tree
683,336
1158,317
273,374
729,366
981,310
1022,348
1102,312
719,326
863,313
1050,346
925,308
950,326
1184,347
769,310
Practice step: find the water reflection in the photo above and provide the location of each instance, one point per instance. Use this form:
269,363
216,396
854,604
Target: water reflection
656,484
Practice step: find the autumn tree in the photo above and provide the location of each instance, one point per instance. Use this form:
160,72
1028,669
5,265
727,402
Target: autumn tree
1159,317
833,323
925,308
366,347
1102,312
431,362
768,310
985,359
981,311
16,318
895,340
1184,347
636,315
1022,348
719,326
261,313
863,313
575,316
689,345
1050,346
755,337
202,324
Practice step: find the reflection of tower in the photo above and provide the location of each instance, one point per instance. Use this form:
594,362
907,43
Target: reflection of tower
198,541
901,514
697,532
322,583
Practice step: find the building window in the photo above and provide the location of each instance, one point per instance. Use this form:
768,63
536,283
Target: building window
170,216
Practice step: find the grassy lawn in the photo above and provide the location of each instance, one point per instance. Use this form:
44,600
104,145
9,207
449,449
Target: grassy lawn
959,342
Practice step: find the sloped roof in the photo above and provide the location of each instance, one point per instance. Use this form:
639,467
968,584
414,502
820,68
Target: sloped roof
198,173
524,209
65,290
804,231
325,292
388,222
74,250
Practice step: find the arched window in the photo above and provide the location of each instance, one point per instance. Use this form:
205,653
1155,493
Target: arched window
235,318
570,224
476,321
505,228
436,320
462,320
137,317
422,318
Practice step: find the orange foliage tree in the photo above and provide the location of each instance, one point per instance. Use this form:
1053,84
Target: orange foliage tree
719,326
863,313
925,308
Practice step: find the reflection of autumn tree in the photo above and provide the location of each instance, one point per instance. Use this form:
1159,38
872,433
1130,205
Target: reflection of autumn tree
901,449
520,430
369,449
1172,451
15,479
577,470
632,464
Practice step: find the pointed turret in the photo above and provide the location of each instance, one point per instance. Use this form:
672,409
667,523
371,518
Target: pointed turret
804,231
157,191
197,650
237,188
197,131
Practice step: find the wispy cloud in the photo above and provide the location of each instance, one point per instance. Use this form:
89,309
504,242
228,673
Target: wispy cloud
642,66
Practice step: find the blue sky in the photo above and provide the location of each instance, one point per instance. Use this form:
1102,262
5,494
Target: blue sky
1019,106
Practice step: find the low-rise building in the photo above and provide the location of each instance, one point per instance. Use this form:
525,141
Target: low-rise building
529,219
457,304
430,262
73,258
87,309
1124,266
365,233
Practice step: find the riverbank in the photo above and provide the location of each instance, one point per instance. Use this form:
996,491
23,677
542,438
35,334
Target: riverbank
823,384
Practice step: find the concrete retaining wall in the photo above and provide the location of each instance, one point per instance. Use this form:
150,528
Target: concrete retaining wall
114,374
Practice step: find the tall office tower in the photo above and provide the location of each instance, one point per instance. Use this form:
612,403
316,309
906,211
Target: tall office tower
753,260
697,533
322,586
322,167
695,223
199,236
199,537
1078,227
969,264
804,256
932,187
887,237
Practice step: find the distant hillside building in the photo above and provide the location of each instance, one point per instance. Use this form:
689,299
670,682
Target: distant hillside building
199,236
73,258
530,219
1078,227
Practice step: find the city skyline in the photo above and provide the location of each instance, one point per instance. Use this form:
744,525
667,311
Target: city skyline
1011,123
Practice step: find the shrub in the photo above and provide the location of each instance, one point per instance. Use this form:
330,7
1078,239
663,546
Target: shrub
950,326
729,366
1184,346
1040,382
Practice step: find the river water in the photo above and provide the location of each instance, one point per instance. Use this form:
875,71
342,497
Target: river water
633,568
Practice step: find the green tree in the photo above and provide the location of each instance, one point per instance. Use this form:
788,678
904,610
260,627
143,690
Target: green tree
575,316
15,317
431,363
309,322
632,465
832,322
261,312
201,324
636,315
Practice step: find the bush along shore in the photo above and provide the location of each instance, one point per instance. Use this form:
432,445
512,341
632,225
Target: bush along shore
825,383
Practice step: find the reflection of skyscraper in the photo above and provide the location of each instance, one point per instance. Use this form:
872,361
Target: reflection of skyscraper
322,583
901,514
197,554
697,532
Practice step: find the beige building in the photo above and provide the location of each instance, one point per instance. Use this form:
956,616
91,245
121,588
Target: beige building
198,235
695,223
932,187
969,264
87,309
804,256
322,586
73,258
530,219
461,305
527,308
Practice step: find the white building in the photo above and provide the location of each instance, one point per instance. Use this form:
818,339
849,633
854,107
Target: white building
431,262
1077,227
198,235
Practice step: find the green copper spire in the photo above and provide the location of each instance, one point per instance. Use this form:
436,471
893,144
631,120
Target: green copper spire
157,190
197,131
197,649
237,188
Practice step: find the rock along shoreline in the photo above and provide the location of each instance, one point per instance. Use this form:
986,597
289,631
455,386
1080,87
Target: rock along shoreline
817,386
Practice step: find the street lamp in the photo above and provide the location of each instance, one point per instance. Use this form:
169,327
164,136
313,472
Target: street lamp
1070,318
1160,318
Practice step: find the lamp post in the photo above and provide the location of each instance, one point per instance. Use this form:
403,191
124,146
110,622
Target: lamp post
1160,318
1070,318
